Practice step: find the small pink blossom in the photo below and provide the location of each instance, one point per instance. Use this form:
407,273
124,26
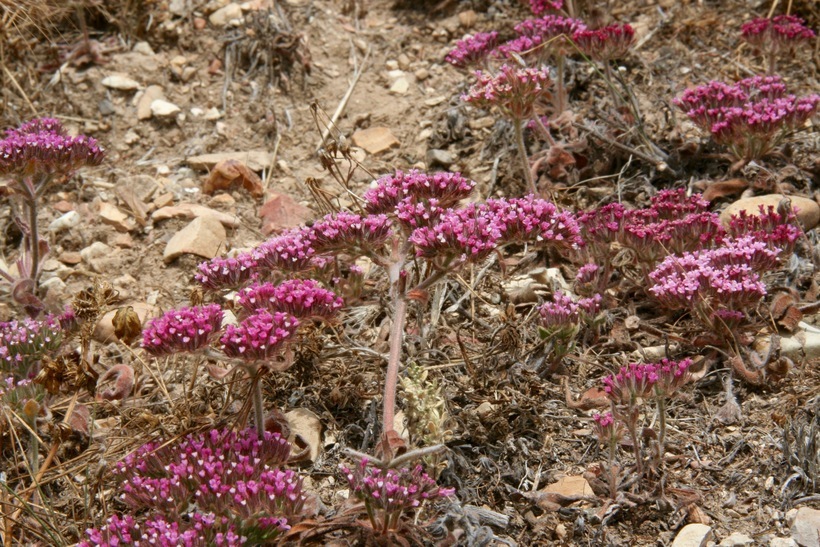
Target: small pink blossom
260,336
605,43
348,232
182,330
303,299
472,50
515,91
227,272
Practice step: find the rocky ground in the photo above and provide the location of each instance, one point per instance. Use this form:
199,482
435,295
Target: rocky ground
174,89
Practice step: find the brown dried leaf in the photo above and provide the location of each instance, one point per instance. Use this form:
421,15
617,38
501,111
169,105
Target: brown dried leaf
228,173
123,383
722,188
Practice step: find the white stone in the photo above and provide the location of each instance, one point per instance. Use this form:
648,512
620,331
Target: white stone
400,86
98,249
693,535
204,236
120,82
164,109
736,540
806,527
64,222
197,112
143,48
212,114
223,16
782,542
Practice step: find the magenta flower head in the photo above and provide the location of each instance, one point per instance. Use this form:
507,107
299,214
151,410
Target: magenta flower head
540,6
212,488
24,343
416,187
779,231
535,220
606,43
41,150
546,37
388,494
609,430
227,272
515,91
778,34
182,330
472,50
260,336
350,233
464,235
303,299
291,251
630,383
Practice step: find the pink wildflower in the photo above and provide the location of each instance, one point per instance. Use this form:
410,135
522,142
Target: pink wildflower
182,330
303,299
227,272
260,336
606,43
391,190
348,232
515,91
472,49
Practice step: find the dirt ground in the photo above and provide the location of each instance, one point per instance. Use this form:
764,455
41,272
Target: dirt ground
512,431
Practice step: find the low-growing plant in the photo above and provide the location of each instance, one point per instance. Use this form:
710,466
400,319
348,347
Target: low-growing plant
33,157
775,36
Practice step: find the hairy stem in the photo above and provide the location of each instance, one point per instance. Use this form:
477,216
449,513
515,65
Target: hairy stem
522,152
392,375
258,407
561,92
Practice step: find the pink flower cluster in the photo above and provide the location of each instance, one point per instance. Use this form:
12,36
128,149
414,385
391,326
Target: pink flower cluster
564,312
716,285
541,39
24,343
608,429
388,494
182,330
605,43
303,299
40,149
260,336
540,6
213,488
751,117
227,272
345,231
472,233
473,49
779,231
777,34
416,187
673,223
639,381
515,91
291,251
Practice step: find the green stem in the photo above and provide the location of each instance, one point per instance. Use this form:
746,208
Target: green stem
522,152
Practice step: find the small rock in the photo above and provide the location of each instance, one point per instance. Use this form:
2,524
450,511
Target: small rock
151,94
212,114
484,409
782,542
112,216
375,140
63,206
404,61
435,101
807,210
192,210
421,74
693,535
308,427
256,160
53,285
467,19
164,109
223,201
104,331
400,86
64,222
223,16
803,344
391,64
204,236
200,23
806,527
143,48
570,486
120,82
106,107
123,241
71,258
98,249
443,158
281,212
736,540
163,200
131,137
